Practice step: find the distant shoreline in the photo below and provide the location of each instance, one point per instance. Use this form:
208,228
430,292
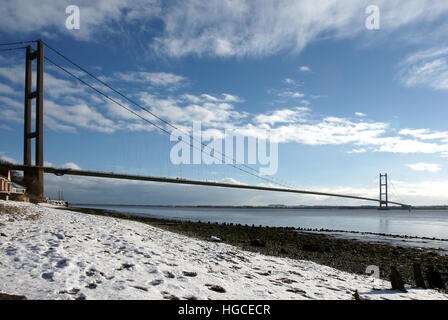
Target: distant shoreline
435,207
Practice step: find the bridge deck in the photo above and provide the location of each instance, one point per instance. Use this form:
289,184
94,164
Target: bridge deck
86,173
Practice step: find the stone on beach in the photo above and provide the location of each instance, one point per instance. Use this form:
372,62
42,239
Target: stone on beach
434,278
418,276
396,280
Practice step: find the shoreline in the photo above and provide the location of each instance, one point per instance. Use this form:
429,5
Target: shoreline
299,207
108,208
302,244
49,253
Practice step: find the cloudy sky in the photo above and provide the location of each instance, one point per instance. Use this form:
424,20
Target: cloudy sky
343,101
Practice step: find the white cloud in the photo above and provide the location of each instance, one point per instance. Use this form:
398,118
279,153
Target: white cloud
218,112
211,110
153,78
245,28
305,69
231,98
57,87
9,159
283,116
11,103
71,165
427,68
422,166
427,192
102,16
291,94
360,114
11,115
48,164
231,180
75,106
399,145
289,81
5,127
216,27
362,150
5,89
425,134
80,115
15,74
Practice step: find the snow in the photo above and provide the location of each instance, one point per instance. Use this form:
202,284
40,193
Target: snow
46,253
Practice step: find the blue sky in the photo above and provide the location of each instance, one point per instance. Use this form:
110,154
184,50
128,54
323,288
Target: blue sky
344,103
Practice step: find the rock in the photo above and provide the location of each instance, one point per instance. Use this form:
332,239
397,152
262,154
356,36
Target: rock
81,296
168,274
258,243
91,285
189,274
3,235
434,278
91,272
48,276
286,280
216,239
71,291
141,288
156,282
126,266
296,290
62,263
5,296
217,288
418,276
396,280
357,296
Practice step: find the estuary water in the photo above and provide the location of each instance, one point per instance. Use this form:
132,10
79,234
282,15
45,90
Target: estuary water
364,222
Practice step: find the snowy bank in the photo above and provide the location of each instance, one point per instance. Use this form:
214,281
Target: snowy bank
46,253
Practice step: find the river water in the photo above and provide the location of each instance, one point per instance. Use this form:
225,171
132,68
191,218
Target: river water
416,223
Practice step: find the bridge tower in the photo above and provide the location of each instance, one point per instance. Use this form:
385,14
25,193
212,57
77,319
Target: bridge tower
34,178
383,192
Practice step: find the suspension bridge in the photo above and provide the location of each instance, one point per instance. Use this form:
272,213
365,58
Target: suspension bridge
34,174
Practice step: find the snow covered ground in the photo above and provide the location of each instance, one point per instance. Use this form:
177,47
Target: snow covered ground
47,253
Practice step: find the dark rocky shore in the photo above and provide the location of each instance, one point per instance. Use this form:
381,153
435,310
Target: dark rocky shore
347,255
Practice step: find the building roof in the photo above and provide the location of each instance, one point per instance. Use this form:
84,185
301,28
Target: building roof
13,184
16,185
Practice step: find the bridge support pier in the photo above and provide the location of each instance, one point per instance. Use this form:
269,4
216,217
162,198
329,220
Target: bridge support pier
34,178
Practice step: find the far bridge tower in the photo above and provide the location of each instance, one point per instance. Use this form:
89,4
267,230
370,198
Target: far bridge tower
384,201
